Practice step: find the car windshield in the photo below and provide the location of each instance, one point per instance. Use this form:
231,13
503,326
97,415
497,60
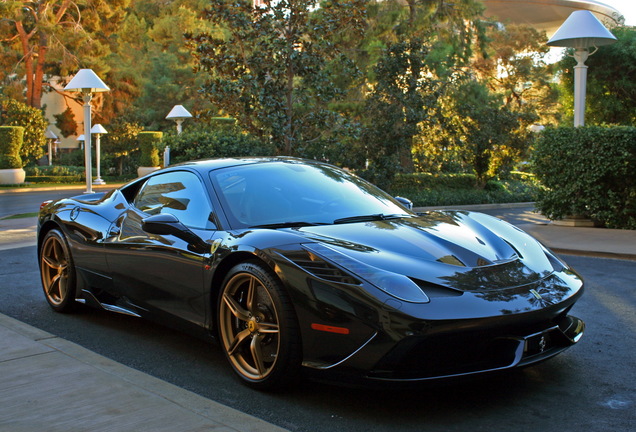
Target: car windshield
290,193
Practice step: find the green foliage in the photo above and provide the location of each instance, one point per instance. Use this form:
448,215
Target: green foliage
483,126
72,158
120,144
54,174
196,144
148,143
611,88
15,113
275,67
588,171
10,145
459,189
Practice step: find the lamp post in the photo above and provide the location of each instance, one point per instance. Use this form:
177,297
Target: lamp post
81,140
98,130
178,113
581,30
50,137
87,82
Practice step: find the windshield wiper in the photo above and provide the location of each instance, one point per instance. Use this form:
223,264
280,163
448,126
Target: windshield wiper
287,224
369,218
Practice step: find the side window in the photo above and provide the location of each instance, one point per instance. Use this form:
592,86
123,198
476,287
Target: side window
179,193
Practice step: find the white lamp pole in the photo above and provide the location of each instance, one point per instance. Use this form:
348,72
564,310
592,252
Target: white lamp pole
50,137
581,30
87,82
98,130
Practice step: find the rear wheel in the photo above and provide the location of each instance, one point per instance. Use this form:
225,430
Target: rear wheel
258,328
57,272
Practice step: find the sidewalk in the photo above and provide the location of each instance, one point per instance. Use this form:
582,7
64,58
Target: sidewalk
51,384
48,383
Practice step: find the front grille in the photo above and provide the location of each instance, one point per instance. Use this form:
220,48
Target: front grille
420,358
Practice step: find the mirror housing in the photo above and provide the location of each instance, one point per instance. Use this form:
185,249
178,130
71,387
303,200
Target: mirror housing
405,202
169,224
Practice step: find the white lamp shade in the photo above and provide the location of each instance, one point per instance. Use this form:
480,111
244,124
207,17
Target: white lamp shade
80,138
98,129
49,134
178,112
582,30
86,79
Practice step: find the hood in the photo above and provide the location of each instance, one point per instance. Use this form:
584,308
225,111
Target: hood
457,249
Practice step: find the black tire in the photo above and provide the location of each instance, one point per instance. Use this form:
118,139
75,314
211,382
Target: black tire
57,272
258,329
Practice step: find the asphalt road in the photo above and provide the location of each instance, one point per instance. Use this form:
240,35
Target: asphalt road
29,202
590,387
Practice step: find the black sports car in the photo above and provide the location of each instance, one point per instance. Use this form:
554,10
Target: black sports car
292,263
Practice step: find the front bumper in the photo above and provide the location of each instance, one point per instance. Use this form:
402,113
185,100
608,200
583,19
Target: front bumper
474,352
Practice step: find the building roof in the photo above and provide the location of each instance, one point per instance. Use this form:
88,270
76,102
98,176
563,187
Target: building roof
548,15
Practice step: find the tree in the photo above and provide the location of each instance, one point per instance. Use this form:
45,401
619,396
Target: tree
483,128
611,88
271,67
514,67
422,48
54,37
152,69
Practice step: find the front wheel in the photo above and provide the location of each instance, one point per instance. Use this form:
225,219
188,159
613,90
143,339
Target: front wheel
258,329
57,272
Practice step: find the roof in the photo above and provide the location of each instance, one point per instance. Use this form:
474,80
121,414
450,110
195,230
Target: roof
548,15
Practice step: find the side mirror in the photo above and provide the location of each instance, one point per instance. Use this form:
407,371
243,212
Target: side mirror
405,202
169,224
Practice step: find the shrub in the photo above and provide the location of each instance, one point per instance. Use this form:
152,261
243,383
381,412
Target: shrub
149,146
459,189
225,142
588,171
11,138
15,113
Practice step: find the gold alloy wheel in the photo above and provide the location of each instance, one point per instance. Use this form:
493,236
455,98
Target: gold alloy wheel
54,268
249,326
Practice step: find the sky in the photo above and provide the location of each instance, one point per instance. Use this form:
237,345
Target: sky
626,7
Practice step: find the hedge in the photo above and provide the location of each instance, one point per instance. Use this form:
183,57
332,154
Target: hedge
588,171
11,139
149,146
459,189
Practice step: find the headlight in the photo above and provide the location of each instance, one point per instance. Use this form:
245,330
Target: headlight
396,285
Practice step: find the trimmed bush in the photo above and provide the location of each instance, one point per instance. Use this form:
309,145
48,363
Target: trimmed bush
459,189
149,146
11,139
15,113
204,144
588,171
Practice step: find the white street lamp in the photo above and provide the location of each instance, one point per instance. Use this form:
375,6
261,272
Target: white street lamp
50,137
98,130
178,113
581,31
81,140
87,82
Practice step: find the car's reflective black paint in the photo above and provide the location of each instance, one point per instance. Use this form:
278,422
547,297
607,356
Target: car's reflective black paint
350,281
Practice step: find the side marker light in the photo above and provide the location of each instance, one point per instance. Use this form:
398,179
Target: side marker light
330,329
